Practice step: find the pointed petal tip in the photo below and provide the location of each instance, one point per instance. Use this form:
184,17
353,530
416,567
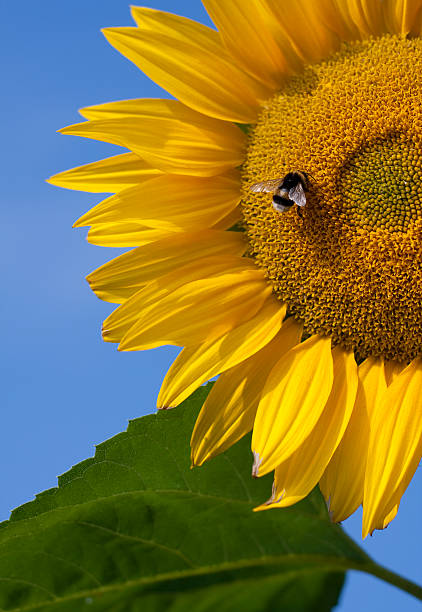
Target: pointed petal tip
134,7
55,180
112,32
256,464
69,130
192,458
368,525
105,334
270,501
259,508
197,457
124,344
78,224
330,512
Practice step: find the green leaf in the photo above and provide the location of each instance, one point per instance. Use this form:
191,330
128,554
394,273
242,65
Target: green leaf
134,528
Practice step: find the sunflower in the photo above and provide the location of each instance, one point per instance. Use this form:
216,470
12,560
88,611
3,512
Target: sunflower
312,321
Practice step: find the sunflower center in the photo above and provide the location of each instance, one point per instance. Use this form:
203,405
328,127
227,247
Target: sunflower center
381,185
350,265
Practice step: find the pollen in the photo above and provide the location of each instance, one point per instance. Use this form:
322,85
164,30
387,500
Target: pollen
350,267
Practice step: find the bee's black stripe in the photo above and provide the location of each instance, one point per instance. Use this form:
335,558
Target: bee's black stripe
282,201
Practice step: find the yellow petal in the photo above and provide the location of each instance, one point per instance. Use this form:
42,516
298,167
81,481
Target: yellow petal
343,480
137,108
293,399
171,137
230,408
196,365
123,318
300,473
395,447
251,35
133,234
392,369
187,306
107,175
403,16
125,234
301,24
335,16
170,203
187,59
368,16
199,311
226,416
120,278
390,516
234,217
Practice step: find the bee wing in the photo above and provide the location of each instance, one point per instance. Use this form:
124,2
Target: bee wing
270,185
297,194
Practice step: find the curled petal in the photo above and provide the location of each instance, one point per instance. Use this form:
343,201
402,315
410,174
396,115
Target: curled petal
293,399
252,36
300,473
107,175
395,448
171,137
120,278
196,365
172,203
230,408
188,60
343,480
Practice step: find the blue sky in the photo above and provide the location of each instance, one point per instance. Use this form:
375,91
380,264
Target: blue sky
64,389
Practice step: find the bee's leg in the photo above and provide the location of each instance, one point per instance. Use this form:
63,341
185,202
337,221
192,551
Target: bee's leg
299,212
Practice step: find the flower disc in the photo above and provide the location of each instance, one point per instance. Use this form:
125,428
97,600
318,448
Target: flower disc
350,267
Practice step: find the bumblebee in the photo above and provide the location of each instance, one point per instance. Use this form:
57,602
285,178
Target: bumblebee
287,190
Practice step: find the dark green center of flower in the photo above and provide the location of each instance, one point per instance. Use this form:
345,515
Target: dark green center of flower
381,184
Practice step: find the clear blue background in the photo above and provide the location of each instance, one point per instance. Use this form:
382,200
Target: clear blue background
64,390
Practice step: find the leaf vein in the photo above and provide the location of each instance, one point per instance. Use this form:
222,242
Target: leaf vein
126,536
